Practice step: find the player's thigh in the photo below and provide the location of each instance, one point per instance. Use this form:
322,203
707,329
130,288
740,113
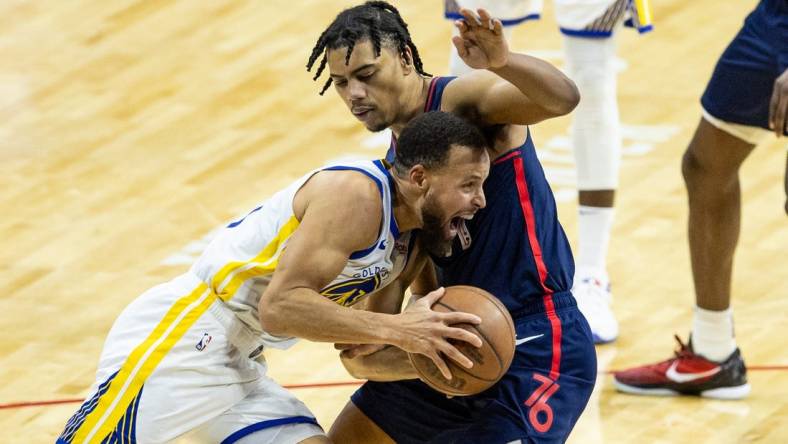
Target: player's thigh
352,426
268,414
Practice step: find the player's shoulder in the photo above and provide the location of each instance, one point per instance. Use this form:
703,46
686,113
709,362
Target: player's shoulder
467,90
346,189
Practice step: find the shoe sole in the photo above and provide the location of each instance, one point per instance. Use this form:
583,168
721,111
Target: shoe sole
599,340
726,393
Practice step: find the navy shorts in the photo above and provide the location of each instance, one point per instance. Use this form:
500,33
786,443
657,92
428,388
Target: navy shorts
741,87
538,400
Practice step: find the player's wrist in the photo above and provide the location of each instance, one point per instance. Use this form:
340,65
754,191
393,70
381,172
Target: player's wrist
502,64
387,330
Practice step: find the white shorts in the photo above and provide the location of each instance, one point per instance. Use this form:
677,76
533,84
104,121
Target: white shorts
579,18
177,361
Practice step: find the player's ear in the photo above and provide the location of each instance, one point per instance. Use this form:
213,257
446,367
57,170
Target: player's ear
418,176
406,60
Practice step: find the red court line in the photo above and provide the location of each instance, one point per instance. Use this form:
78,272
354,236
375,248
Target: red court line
16,405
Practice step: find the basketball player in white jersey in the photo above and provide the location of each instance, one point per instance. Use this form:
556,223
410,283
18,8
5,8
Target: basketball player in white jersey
589,29
186,357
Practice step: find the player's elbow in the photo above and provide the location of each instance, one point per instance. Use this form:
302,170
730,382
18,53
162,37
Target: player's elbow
271,312
568,101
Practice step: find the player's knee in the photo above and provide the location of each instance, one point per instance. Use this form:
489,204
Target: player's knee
705,174
690,167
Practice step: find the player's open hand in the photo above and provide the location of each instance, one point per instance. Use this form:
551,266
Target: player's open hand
481,43
428,332
778,106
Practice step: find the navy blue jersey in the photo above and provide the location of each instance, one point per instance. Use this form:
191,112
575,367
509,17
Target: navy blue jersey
515,247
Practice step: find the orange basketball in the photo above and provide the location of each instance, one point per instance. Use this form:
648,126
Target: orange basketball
490,361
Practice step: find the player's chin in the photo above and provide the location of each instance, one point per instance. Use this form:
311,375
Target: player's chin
439,242
376,127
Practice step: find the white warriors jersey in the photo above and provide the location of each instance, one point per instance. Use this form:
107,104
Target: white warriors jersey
238,264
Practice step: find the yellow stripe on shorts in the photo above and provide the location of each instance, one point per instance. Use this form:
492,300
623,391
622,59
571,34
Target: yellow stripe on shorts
141,363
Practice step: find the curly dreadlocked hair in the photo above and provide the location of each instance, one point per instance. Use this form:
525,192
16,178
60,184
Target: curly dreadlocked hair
374,20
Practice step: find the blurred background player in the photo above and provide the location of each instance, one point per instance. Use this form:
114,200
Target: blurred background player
588,28
747,94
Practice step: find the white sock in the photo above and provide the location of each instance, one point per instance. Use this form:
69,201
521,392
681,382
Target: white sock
712,333
594,224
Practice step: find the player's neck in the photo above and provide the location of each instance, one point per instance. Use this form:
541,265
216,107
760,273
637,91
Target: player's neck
415,100
406,204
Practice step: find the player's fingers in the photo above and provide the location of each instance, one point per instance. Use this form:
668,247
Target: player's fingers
432,297
459,317
455,355
441,364
486,18
461,334
361,350
773,105
344,346
471,19
458,42
461,26
497,27
782,115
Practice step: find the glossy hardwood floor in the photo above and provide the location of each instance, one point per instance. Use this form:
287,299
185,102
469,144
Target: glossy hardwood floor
131,129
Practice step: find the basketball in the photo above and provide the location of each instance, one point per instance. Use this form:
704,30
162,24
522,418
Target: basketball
490,361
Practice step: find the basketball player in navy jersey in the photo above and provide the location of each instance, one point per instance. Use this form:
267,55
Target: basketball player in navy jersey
746,96
515,248
589,30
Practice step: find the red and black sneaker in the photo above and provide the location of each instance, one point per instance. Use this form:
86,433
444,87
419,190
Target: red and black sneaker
687,374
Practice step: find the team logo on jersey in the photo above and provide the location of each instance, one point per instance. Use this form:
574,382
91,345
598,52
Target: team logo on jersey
401,247
464,235
349,292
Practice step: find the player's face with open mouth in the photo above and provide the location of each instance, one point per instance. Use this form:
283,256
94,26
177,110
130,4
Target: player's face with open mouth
455,195
370,86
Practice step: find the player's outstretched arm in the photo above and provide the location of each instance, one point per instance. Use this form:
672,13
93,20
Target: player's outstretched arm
388,364
340,212
508,88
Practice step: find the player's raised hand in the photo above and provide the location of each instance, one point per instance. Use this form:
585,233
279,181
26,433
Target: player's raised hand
481,43
428,332
778,106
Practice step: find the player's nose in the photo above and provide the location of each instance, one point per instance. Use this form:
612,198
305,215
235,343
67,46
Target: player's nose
357,90
479,200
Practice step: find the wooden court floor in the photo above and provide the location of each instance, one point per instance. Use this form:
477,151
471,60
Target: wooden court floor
129,130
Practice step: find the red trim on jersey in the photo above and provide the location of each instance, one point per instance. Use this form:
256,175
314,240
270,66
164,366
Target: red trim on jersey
505,157
433,85
541,267
430,94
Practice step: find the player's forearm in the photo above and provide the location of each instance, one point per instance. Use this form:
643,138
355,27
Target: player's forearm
306,314
389,364
541,82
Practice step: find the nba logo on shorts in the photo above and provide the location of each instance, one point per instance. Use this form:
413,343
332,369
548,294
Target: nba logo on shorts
206,339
